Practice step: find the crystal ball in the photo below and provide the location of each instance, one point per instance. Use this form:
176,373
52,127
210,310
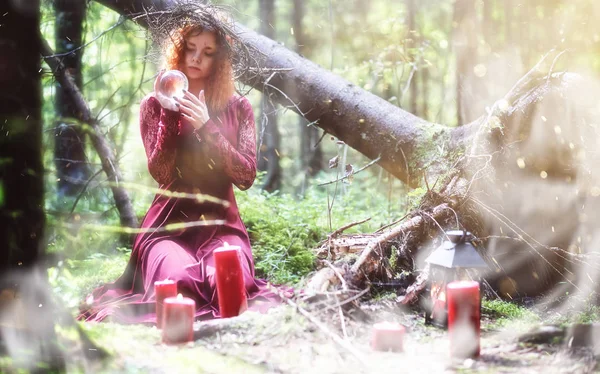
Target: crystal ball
172,84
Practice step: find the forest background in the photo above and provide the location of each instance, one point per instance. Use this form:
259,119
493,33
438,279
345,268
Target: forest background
445,61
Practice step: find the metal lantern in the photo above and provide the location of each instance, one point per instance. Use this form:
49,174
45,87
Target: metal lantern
455,259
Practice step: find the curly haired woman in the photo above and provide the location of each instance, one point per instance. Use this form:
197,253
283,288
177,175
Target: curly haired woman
201,143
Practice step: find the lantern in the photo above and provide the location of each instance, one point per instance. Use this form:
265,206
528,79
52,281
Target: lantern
455,259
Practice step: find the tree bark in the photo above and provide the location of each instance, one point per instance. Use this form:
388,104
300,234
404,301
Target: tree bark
26,311
22,173
270,139
311,152
412,39
69,141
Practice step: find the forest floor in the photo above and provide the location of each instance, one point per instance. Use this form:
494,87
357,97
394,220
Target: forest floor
285,341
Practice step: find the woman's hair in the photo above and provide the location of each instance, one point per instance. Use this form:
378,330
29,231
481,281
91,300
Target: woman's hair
220,85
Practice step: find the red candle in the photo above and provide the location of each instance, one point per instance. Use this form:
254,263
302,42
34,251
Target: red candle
387,336
178,320
231,290
162,290
464,318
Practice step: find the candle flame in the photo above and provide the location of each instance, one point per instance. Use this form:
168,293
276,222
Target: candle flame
179,297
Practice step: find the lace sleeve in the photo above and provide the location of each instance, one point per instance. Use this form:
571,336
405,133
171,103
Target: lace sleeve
238,163
159,128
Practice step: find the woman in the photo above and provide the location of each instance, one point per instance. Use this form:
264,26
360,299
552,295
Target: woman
201,143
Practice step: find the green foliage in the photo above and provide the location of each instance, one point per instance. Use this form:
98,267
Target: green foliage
504,313
281,234
415,196
590,314
504,309
284,230
72,280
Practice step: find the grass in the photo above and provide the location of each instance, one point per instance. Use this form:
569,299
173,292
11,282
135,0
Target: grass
589,313
72,280
503,313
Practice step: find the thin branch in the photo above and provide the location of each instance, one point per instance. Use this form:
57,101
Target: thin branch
391,224
321,138
345,301
552,66
49,54
338,274
83,190
520,232
415,221
344,228
356,172
100,143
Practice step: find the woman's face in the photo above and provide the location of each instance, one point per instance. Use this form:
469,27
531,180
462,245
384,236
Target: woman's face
199,54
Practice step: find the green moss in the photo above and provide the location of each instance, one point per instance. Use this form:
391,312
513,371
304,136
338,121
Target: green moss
504,313
504,309
432,146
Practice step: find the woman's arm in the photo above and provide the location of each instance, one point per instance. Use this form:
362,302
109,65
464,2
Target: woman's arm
238,163
159,128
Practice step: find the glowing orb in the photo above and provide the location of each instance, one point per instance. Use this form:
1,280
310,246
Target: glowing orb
172,84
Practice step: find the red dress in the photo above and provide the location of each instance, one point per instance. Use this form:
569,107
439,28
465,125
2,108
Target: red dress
210,161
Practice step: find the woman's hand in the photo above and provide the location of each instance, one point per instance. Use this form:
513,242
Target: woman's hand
164,101
193,109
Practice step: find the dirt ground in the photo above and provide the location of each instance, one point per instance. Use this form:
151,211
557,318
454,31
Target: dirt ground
284,341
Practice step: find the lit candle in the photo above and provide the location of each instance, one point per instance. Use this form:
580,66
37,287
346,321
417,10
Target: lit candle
231,289
162,290
464,312
387,336
178,320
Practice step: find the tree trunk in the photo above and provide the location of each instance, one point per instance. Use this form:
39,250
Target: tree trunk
412,44
468,87
69,142
311,153
22,182
269,137
26,312
424,76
